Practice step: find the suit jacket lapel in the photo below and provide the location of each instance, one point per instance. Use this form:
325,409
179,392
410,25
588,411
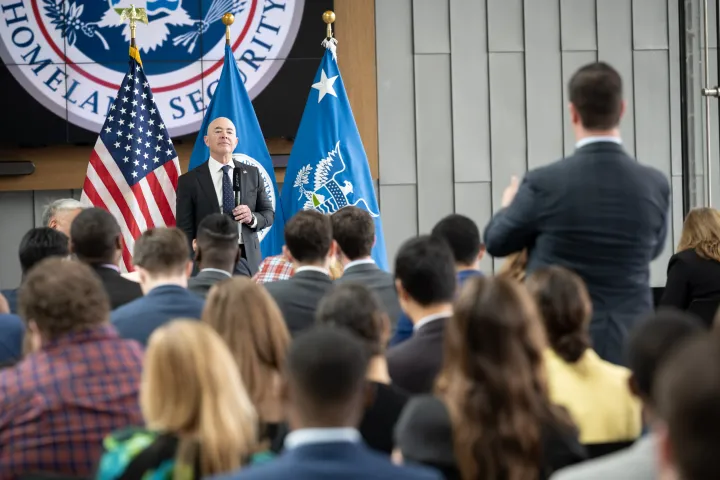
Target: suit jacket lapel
206,183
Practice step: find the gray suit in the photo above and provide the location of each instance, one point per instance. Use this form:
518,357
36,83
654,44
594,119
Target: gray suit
380,282
203,281
634,463
299,296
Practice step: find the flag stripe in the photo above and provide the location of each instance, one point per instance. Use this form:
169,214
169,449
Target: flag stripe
142,205
167,185
143,189
155,191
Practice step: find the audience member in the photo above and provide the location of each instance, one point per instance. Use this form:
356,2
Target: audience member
200,420
273,269
649,346
60,214
514,266
491,418
96,239
598,212
161,259
250,323
354,232
595,392
309,244
359,310
326,388
11,335
79,383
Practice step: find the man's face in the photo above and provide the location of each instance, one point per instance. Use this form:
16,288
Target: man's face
63,219
221,137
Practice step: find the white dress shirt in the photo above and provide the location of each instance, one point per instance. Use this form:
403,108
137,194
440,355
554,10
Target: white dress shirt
309,436
431,318
216,173
597,139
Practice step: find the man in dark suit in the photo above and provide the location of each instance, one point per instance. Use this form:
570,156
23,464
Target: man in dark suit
96,239
310,247
326,393
354,232
598,212
209,189
425,281
161,258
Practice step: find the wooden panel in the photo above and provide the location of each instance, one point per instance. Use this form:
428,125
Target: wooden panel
543,82
431,26
505,25
470,91
578,24
16,218
650,24
43,198
571,62
398,204
474,200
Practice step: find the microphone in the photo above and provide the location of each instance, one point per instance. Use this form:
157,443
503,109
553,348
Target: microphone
236,185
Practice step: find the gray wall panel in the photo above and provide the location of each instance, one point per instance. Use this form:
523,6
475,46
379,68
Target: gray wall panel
650,24
571,61
474,200
434,139
399,215
16,218
42,198
674,91
505,25
543,82
677,210
396,92
578,24
431,26
470,94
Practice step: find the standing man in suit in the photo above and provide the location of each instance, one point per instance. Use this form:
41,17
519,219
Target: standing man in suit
209,188
354,232
598,212
309,246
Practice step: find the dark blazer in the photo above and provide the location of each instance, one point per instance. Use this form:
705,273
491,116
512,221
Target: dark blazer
332,461
690,277
119,289
201,283
12,330
196,199
11,295
138,319
601,214
414,364
299,296
379,281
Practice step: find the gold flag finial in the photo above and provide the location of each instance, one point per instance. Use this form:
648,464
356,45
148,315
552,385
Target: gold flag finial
329,17
134,15
228,19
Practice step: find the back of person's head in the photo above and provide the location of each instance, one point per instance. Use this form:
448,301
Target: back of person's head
596,93
652,342
354,231
325,372
565,308
463,237
425,269
493,380
308,237
359,310
61,296
701,232
59,214
40,243
162,252
688,402
217,241
191,387
251,324
95,236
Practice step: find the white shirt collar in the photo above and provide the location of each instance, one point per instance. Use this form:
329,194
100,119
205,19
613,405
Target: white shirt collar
216,166
218,270
310,268
430,318
364,261
606,138
308,436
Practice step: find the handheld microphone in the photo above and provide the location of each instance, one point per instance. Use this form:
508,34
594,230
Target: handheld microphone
236,185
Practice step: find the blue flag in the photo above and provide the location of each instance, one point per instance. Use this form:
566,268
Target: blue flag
328,168
231,100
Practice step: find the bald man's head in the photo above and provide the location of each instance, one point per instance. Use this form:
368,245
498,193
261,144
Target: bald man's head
221,139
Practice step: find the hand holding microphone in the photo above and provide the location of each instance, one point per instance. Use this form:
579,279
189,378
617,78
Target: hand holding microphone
241,213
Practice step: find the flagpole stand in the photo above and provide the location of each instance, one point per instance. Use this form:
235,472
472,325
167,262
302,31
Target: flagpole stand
134,15
228,19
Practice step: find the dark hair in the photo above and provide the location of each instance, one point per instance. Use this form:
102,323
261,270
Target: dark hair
358,309
354,231
688,401
326,367
596,92
426,270
565,308
162,251
95,236
653,340
463,236
308,236
217,240
62,296
40,243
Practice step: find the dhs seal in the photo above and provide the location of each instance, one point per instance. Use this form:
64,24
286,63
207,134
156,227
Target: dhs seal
71,55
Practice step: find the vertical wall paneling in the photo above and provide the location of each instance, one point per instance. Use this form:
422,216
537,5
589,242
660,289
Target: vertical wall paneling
578,24
505,25
431,26
650,24
677,216
399,215
473,200
674,71
16,218
571,61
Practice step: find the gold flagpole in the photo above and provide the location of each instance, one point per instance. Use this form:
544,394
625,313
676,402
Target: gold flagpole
134,15
329,18
228,19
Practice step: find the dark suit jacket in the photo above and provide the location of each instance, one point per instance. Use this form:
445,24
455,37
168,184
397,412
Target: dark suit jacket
299,296
196,199
11,295
203,282
119,289
414,364
689,278
332,461
12,330
601,214
139,318
379,281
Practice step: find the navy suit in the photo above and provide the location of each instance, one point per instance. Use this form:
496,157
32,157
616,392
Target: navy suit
11,296
601,214
138,319
12,330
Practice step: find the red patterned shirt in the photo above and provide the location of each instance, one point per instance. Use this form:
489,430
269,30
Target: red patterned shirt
273,269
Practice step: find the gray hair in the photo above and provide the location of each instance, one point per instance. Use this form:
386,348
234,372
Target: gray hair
60,205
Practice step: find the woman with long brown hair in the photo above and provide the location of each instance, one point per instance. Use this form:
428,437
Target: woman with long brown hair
491,417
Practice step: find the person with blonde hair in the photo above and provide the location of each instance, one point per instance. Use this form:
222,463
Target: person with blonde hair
199,418
250,323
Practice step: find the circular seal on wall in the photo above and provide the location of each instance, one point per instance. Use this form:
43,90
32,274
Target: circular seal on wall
71,55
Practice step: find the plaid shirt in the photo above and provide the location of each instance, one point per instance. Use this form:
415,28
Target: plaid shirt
57,405
273,269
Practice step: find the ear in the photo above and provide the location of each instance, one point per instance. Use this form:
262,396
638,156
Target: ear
623,108
399,288
286,252
119,242
369,395
198,254
633,386
206,140
385,332
574,116
188,269
374,241
52,223
194,245
481,254
237,256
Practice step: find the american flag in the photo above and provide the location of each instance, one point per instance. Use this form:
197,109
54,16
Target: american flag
133,170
